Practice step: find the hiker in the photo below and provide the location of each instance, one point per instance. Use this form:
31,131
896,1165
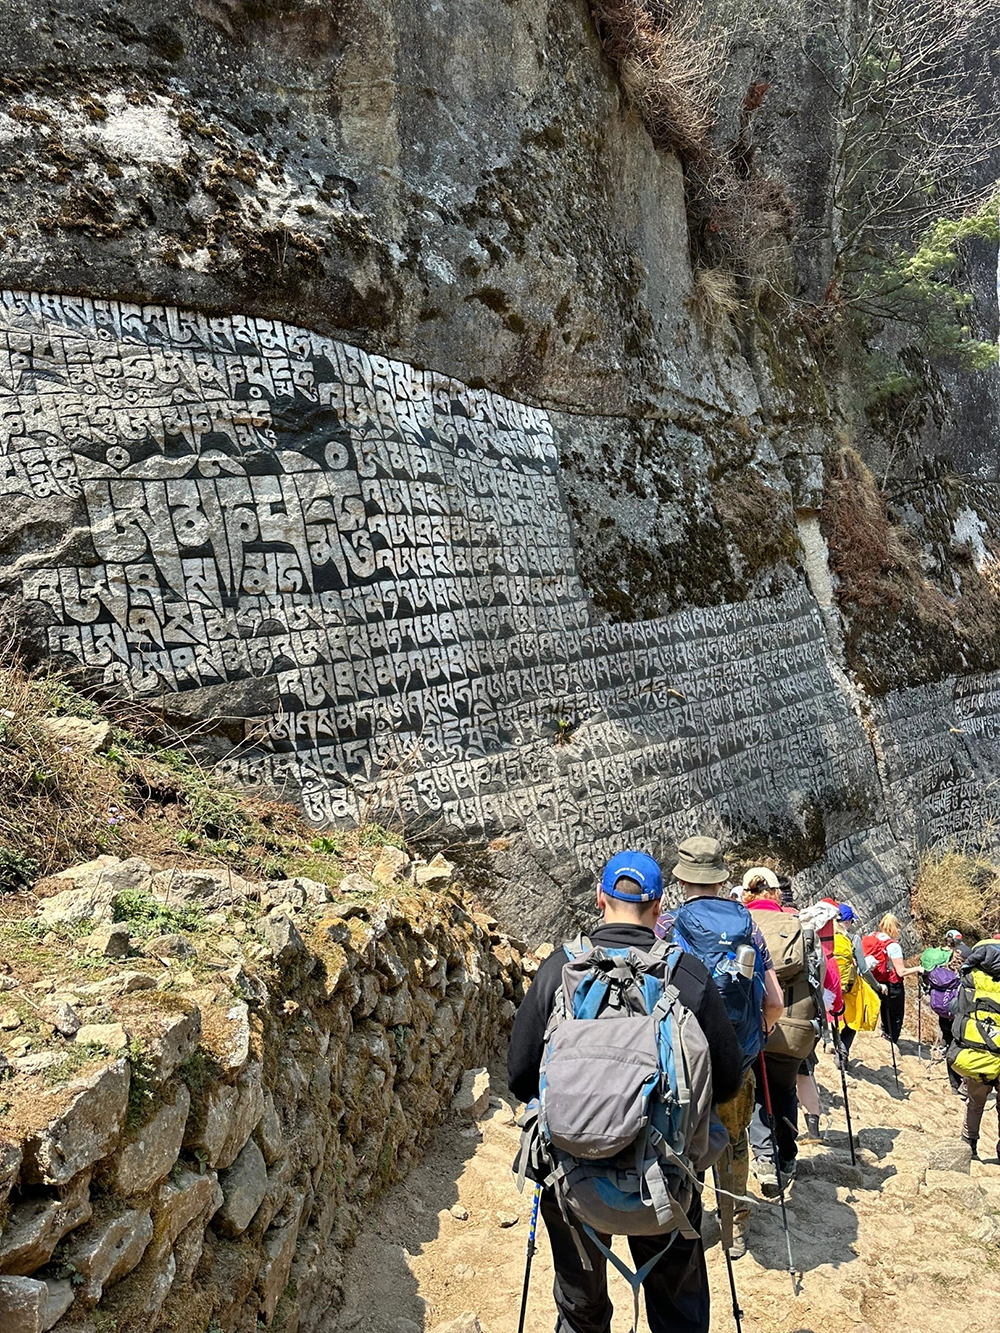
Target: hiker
676,1286
758,877
975,1049
859,987
941,985
884,955
792,1040
716,929
955,941
786,893
825,978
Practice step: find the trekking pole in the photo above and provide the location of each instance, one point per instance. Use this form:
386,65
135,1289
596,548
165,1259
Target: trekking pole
737,1312
895,1070
777,1171
842,1052
529,1254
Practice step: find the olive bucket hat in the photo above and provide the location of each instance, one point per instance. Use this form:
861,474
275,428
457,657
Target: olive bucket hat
700,861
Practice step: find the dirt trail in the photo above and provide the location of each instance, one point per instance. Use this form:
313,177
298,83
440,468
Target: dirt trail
879,1248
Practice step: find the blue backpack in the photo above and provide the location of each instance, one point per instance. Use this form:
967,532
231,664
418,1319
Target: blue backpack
713,929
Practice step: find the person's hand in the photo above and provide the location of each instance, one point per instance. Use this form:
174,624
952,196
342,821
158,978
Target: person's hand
883,989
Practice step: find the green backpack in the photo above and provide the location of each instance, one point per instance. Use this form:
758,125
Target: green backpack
932,958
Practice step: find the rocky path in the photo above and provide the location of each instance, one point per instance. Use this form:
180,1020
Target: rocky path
886,1245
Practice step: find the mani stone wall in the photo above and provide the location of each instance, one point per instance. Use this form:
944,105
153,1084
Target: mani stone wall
192,1124
370,570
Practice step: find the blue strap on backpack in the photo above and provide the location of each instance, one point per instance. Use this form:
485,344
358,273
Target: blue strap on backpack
714,929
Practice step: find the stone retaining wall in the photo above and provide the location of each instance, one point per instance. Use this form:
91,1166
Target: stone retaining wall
193,1127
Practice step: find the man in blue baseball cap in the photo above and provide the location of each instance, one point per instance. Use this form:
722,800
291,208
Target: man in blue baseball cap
677,1294
632,877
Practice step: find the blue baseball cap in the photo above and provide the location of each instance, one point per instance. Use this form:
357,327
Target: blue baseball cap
847,912
641,869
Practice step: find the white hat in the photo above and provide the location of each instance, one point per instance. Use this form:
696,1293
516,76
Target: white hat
736,892
760,872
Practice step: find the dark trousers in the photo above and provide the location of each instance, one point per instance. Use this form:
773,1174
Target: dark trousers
847,1036
978,1093
676,1289
893,1009
781,1074
946,1023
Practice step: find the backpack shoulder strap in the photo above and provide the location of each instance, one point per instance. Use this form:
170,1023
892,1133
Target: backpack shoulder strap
574,948
673,954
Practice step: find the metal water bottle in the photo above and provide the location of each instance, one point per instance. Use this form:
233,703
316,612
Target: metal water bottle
746,957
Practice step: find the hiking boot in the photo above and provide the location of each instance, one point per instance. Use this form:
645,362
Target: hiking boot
974,1147
766,1176
739,1246
788,1170
812,1134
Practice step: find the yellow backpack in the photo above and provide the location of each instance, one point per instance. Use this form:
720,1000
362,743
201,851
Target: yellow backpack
978,1041
843,954
861,1007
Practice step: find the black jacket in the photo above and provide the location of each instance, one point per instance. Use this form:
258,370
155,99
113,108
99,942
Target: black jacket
984,957
697,991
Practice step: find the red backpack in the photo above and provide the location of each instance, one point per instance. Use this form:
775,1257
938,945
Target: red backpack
877,947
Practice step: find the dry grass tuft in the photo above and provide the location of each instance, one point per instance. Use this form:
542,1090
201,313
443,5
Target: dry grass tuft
874,559
57,803
956,891
713,300
668,69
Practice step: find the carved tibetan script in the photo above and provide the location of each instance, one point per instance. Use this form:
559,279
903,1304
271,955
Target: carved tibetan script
388,551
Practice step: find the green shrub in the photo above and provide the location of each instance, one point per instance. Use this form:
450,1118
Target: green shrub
142,1084
147,916
17,870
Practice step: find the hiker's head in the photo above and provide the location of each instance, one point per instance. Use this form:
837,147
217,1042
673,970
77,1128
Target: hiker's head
701,868
953,938
847,920
786,894
889,925
630,889
760,882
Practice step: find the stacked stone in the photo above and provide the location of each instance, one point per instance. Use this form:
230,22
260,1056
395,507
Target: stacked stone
277,1099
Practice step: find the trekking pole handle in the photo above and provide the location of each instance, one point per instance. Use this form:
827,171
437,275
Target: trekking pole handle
534,1222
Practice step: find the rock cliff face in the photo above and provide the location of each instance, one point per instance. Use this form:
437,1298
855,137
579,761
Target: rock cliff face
366,410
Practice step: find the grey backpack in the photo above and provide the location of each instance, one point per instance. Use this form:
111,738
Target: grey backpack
624,1119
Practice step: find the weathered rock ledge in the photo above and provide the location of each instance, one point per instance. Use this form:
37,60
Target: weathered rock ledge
192,1120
